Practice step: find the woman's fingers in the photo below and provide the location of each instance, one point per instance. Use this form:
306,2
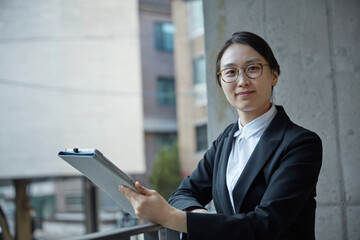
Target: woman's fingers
151,206
142,189
129,193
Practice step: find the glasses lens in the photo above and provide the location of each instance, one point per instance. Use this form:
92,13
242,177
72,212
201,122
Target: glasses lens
229,74
253,70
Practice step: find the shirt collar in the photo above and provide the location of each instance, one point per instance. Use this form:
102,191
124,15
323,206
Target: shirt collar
257,124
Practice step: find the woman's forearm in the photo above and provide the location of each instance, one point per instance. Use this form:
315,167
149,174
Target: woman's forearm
176,220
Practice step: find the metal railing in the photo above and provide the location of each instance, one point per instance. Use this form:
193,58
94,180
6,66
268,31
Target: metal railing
150,231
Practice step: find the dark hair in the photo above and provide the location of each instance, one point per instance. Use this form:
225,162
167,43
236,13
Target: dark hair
254,41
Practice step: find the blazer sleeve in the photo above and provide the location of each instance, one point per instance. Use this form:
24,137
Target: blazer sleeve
196,189
291,185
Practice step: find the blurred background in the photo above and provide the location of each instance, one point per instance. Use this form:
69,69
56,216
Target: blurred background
131,78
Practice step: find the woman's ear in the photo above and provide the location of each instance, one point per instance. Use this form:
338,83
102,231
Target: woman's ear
275,77
220,82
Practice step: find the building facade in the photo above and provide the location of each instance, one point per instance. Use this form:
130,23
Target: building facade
118,55
190,82
157,67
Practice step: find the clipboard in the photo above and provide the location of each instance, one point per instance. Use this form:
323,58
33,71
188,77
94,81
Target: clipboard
103,173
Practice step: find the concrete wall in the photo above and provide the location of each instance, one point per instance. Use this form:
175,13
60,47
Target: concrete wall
64,84
316,44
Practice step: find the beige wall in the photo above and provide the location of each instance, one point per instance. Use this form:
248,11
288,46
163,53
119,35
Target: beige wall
69,77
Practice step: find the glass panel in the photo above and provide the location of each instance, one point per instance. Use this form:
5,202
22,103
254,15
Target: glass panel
164,36
199,70
74,202
166,91
196,18
164,139
168,33
201,138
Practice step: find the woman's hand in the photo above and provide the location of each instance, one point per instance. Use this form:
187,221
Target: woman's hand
148,205
151,206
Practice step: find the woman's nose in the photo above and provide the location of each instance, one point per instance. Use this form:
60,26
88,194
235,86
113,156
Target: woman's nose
242,80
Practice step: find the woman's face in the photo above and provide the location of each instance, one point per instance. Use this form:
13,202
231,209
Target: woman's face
251,97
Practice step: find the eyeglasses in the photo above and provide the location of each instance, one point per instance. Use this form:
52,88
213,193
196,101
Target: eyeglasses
252,71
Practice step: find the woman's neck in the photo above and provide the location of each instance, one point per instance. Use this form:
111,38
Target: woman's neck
248,116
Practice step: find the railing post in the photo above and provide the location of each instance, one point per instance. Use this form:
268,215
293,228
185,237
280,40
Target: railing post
162,234
172,235
151,235
91,206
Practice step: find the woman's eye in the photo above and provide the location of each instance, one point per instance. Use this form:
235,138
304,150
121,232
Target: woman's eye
253,68
230,72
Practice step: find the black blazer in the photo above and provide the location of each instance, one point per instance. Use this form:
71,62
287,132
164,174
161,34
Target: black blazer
274,196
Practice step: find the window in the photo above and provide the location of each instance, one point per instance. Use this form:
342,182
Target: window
164,140
199,70
164,36
74,202
196,18
201,138
44,206
166,91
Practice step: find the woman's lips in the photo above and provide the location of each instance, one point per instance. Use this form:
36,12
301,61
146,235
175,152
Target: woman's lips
245,93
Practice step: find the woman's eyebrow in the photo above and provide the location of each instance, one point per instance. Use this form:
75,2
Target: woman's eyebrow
252,60
229,65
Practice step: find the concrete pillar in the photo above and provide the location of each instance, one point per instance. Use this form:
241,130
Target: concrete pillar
316,44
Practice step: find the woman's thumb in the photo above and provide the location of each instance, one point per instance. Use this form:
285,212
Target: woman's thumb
142,189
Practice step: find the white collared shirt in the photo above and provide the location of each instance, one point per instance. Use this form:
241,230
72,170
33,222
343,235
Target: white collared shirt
246,139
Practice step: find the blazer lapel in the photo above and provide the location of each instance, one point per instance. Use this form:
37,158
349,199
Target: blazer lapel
262,152
222,186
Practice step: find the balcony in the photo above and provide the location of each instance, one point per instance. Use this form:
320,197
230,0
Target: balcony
150,232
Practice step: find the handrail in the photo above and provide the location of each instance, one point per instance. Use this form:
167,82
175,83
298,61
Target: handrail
122,233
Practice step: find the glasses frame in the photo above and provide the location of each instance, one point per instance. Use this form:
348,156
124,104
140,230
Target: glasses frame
242,70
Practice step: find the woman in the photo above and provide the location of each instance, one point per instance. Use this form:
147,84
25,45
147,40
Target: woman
261,172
